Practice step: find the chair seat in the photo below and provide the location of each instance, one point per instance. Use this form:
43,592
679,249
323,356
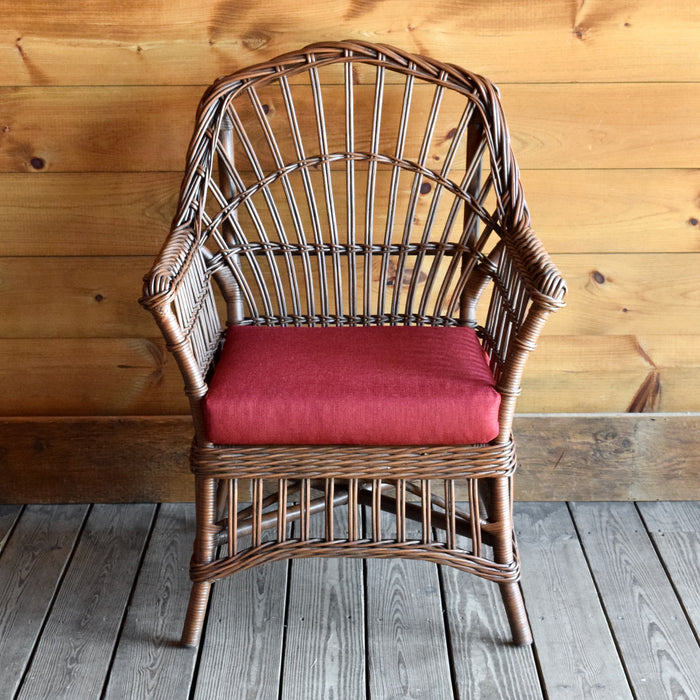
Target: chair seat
375,385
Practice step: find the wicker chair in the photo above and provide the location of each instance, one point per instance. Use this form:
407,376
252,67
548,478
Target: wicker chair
350,288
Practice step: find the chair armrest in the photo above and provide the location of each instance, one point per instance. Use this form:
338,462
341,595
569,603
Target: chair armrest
527,287
179,294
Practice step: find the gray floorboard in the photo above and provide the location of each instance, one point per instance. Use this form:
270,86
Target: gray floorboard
92,602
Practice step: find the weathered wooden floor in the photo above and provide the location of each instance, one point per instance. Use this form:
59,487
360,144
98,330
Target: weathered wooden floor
92,599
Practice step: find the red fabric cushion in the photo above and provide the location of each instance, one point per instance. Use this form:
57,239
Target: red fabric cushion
376,385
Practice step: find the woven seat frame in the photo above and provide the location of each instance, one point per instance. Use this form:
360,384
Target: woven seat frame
351,184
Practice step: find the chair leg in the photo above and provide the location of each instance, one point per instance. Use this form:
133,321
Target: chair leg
205,505
515,610
500,508
196,610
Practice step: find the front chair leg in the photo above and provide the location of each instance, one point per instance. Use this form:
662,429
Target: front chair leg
515,610
196,610
498,501
205,504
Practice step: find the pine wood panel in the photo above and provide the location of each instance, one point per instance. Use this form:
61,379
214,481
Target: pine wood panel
98,129
191,42
137,376
615,211
654,294
96,116
109,376
619,125
66,297
73,656
661,653
575,648
609,294
86,213
574,211
625,125
612,373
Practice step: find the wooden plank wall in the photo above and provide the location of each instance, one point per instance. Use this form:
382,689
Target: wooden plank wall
96,107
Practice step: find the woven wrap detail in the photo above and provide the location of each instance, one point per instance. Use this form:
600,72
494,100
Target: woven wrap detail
358,462
358,549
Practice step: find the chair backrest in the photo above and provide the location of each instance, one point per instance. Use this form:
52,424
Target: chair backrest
346,184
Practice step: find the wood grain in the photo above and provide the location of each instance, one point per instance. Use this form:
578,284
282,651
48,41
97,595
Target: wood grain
74,653
86,214
196,41
242,656
100,214
614,457
32,566
675,530
117,376
325,641
609,294
611,127
119,129
98,460
485,664
562,457
78,297
606,136
406,653
625,125
136,376
598,374
575,649
661,653
615,211
8,518
149,661
618,294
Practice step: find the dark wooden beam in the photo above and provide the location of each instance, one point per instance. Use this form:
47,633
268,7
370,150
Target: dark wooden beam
585,457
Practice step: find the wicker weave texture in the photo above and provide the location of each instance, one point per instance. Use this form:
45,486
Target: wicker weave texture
351,184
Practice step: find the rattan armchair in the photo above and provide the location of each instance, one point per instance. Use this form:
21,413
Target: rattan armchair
351,287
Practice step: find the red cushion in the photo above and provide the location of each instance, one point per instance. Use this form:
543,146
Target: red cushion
376,385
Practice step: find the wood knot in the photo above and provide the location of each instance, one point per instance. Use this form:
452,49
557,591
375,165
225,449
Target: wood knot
598,277
255,40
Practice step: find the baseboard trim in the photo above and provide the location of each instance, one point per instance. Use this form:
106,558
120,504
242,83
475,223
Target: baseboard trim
584,457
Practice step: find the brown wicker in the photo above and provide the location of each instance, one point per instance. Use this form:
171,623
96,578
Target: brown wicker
351,184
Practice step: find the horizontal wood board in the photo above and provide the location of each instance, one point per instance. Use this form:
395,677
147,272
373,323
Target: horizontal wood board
128,214
145,43
587,457
137,376
613,125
